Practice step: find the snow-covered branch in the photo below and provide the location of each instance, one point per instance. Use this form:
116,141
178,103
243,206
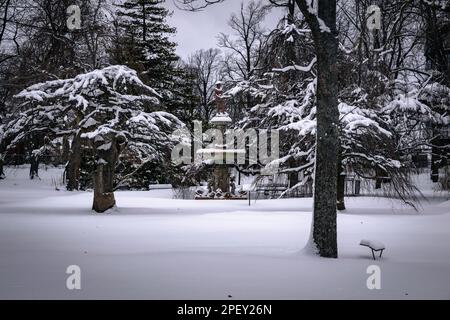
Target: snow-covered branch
307,68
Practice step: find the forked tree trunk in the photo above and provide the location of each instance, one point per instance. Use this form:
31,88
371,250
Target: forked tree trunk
325,182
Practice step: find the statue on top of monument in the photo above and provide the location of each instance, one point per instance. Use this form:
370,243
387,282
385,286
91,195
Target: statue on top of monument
219,98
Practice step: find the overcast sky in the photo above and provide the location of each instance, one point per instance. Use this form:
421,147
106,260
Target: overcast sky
199,30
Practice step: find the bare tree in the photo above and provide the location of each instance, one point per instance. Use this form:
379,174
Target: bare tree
4,7
96,33
247,40
205,64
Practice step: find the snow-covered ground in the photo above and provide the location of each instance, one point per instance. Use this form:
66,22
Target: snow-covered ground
156,247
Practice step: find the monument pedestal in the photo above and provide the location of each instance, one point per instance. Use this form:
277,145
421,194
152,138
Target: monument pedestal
221,178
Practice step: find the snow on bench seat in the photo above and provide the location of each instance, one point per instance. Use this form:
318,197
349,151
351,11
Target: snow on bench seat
375,246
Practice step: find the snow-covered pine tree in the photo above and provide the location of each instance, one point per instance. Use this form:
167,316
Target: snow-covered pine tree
185,102
111,119
420,116
144,43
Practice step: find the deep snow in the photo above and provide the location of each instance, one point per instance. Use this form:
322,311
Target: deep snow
156,247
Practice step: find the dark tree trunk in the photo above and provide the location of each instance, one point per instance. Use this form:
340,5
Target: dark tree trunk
437,58
293,176
378,183
107,150
326,45
2,173
73,166
379,178
34,166
435,50
293,179
435,161
287,78
340,186
103,191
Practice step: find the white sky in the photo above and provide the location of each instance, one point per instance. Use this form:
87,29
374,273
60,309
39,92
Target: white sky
199,30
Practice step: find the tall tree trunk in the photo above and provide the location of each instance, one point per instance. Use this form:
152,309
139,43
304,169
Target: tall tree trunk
435,48
324,33
73,166
437,55
340,185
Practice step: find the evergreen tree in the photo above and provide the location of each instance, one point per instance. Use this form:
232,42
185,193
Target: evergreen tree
144,44
185,102
110,105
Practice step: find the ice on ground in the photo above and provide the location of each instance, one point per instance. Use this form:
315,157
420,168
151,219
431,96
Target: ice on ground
155,247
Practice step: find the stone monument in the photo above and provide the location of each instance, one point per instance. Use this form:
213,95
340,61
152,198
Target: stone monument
219,184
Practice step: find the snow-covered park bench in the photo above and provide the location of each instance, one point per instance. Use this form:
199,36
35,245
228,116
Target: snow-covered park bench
375,246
